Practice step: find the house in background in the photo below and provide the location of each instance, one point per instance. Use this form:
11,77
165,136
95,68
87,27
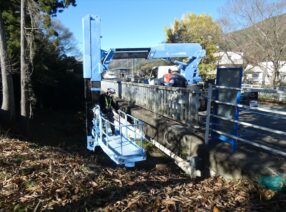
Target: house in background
261,74
225,59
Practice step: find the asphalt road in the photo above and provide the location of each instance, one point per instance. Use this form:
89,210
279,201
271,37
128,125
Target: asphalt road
265,119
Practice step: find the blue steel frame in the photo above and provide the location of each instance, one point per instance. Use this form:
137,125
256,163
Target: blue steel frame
92,53
213,122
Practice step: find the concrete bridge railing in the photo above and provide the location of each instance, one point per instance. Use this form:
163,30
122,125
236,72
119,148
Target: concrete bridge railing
180,104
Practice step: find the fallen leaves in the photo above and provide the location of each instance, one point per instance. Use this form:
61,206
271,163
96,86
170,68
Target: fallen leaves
46,178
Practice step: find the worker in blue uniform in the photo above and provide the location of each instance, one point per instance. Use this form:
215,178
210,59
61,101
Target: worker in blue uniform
107,103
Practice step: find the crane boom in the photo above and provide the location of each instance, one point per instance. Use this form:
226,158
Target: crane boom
97,60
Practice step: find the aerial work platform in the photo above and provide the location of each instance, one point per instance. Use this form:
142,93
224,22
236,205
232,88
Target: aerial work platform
126,146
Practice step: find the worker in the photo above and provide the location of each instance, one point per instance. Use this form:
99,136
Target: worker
164,80
106,104
177,80
167,77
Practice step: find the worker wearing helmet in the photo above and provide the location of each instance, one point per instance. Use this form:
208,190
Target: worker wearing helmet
106,104
167,77
177,80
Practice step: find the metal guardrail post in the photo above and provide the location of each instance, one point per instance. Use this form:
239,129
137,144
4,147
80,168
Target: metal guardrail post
208,114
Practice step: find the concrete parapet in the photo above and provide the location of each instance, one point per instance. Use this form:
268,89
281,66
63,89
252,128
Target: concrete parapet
178,138
187,148
182,143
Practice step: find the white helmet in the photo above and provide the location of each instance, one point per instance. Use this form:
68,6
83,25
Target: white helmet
111,90
174,69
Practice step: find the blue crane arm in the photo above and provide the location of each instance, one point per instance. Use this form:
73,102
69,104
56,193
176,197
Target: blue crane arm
96,60
192,52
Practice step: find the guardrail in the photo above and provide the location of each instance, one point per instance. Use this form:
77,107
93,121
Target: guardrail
211,128
281,88
180,104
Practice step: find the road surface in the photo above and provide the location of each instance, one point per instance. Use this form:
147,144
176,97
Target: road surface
264,119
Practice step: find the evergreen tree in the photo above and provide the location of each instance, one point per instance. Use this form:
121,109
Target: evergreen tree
37,31
43,9
197,29
8,101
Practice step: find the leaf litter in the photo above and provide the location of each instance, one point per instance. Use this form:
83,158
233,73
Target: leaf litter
41,178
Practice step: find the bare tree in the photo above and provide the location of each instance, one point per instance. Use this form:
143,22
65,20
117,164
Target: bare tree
257,28
8,102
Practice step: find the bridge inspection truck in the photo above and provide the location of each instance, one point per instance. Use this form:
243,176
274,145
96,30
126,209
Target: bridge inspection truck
123,148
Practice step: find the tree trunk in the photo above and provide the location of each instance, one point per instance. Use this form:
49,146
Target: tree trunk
31,46
275,74
8,102
24,65
264,74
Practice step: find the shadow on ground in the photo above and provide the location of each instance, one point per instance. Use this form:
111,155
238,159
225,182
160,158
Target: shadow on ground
66,130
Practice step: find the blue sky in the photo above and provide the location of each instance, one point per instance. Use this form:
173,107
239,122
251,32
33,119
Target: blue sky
134,23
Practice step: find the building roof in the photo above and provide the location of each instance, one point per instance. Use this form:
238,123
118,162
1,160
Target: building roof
229,58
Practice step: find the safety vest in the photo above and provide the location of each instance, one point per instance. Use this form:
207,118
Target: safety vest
167,77
107,102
